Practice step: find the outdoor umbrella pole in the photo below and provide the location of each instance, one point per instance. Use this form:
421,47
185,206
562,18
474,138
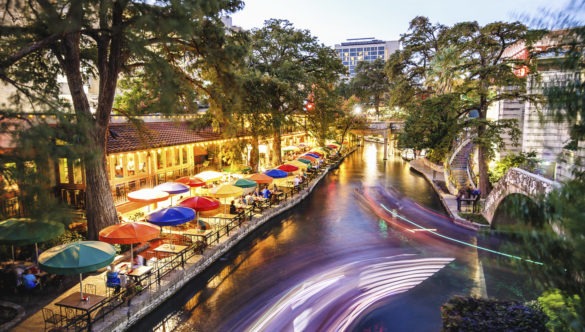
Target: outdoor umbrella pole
81,286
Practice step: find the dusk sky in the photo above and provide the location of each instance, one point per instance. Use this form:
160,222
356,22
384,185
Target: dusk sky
333,21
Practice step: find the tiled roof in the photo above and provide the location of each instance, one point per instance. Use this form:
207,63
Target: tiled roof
126,137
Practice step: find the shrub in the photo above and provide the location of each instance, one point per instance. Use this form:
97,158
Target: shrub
473,314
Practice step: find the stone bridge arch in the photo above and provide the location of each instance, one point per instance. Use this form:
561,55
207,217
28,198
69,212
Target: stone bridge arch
516,181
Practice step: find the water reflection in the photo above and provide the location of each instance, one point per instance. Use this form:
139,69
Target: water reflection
319,248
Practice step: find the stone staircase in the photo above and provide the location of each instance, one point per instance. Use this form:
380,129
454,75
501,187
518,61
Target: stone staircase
459,164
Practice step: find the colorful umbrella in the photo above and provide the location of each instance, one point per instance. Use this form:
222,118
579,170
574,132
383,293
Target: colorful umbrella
171,216
260,178
314,155
200,203
288,168
310,158
306,161
26,231
209,176
245,183
319,154
77,257
298,164
148,195
172,188
226,190
129,233
191,181
276,173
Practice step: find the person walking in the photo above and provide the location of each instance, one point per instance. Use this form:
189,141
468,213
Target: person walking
459,197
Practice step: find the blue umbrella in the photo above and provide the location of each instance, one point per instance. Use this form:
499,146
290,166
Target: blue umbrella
314,155
276,173
173,188
171,216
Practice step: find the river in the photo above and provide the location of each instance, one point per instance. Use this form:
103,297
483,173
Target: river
331,263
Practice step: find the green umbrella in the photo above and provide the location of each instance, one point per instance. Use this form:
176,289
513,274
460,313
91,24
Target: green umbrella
245,183
26,231
77,257
305,161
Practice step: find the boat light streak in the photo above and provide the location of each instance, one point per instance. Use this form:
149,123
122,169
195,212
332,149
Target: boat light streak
395,214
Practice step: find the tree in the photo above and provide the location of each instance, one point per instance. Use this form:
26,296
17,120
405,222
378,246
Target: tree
479,73
371,83
290,61
173,44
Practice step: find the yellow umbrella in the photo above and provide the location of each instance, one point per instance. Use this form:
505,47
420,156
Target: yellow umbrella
226,190
298,164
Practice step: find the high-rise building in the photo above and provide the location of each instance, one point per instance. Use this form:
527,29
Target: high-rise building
364,49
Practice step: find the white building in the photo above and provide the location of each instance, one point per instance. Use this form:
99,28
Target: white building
364,49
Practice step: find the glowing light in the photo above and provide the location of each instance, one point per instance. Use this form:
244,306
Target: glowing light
395,214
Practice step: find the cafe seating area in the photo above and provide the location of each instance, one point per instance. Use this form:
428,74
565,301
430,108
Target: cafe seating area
172,250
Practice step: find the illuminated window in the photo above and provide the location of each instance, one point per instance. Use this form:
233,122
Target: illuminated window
77,172
63,171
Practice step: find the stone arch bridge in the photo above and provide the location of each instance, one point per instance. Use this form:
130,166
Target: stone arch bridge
516,181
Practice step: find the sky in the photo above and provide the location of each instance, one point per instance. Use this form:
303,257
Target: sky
334,21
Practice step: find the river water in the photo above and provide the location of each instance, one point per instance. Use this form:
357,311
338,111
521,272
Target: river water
332,263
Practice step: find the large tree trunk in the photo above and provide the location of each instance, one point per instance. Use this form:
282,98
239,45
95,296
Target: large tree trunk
484,183
101,211
254,154
100,208
276,147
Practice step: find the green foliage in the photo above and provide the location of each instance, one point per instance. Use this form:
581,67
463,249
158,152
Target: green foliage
473,314
524,160
444,74
562,311
371,83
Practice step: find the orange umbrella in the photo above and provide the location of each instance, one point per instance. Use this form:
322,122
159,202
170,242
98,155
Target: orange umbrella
129,233
260,178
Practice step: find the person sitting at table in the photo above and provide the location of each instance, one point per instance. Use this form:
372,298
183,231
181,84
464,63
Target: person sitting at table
29,280
202,225
233,208
249,199
138,261
266,193
113,279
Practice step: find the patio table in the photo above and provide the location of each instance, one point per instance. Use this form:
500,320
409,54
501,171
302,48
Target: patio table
74,301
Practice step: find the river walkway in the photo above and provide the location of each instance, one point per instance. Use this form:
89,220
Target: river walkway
148,300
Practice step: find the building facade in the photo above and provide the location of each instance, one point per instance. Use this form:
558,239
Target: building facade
364,49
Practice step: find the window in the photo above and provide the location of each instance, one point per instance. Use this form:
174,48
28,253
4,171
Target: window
185,157
159,160
77,172
169,156
63,171
130,165
177,156
119,167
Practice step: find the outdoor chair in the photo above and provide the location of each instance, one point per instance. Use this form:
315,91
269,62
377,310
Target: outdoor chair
75,321
50,317
89,289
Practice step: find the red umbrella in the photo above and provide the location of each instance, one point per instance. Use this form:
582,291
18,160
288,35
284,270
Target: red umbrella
200,203
191,181
260,178
129,233
288,168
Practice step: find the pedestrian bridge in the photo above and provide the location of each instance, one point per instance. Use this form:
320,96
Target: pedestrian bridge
516,181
